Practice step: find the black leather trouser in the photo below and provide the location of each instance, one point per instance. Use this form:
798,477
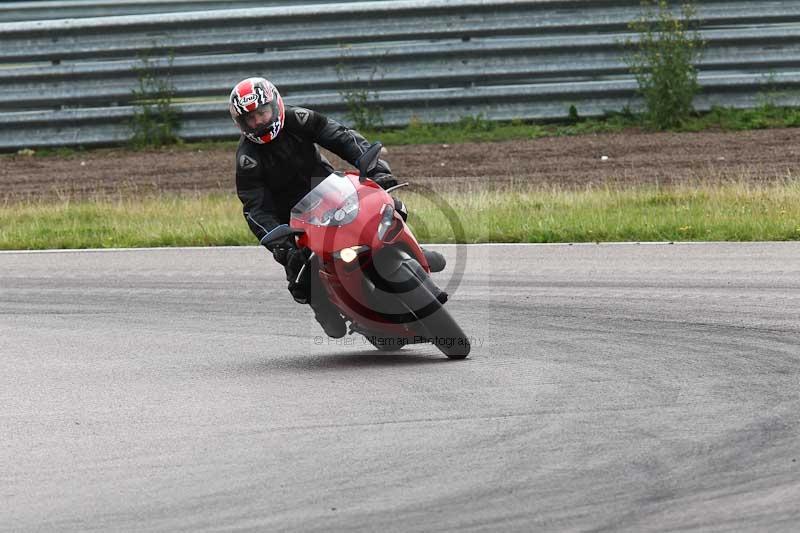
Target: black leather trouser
308,289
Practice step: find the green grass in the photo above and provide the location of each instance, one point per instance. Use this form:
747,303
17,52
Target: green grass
728,212
732,212
762,117
169,221
477,129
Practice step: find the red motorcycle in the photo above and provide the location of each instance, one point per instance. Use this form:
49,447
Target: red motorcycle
370,264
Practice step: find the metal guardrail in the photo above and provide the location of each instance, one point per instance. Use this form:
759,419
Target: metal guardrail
377,68
61,9
21,10
435,60
545,101
48,10
269,29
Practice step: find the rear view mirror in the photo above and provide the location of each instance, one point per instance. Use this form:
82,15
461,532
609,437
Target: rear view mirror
280,233
369,159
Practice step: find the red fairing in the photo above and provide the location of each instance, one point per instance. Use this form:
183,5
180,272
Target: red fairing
344,282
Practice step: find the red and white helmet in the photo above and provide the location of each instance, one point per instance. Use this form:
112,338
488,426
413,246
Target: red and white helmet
256,107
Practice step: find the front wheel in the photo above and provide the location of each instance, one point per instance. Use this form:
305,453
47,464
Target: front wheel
431,319
399,279
442,331
384,343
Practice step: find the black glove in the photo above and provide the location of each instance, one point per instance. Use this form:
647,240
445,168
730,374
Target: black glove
384,180
279,248
280,251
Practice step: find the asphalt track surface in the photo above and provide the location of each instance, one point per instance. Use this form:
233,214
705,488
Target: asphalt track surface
610,388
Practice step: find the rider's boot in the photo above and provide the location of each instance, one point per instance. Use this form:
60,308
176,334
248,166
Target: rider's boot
331,321
326,313
436,261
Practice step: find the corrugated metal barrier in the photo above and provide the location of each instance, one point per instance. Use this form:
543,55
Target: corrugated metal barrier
71,81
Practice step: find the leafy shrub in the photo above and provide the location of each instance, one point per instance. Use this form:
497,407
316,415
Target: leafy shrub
662,60
155,122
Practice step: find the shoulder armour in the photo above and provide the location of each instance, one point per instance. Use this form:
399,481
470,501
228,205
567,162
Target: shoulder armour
302,120
247,158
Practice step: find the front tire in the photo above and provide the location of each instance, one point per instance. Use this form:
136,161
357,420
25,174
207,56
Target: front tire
443,332
406,294
384,344
432,320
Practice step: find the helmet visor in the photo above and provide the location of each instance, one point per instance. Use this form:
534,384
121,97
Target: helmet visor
260,121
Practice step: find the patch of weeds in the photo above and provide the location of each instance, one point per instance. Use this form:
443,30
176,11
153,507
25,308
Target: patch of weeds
155,121
361,100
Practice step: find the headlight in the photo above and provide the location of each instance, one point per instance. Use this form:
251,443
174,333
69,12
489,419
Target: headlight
349,254
386,220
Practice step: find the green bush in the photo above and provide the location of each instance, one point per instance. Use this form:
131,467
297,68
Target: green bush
363,110
662,59
155,122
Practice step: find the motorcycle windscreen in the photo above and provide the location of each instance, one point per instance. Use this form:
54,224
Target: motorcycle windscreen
334,202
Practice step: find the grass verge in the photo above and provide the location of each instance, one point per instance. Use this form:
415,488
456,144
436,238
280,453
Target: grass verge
476,129
724,212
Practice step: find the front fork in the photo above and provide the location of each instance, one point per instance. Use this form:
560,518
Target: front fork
395,271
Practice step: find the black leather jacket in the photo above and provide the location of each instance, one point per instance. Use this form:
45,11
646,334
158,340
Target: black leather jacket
271,178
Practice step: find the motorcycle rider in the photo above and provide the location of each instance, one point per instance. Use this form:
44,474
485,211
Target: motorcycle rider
278,162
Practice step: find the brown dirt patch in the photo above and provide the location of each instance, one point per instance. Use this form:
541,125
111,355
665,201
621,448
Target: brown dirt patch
573,162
